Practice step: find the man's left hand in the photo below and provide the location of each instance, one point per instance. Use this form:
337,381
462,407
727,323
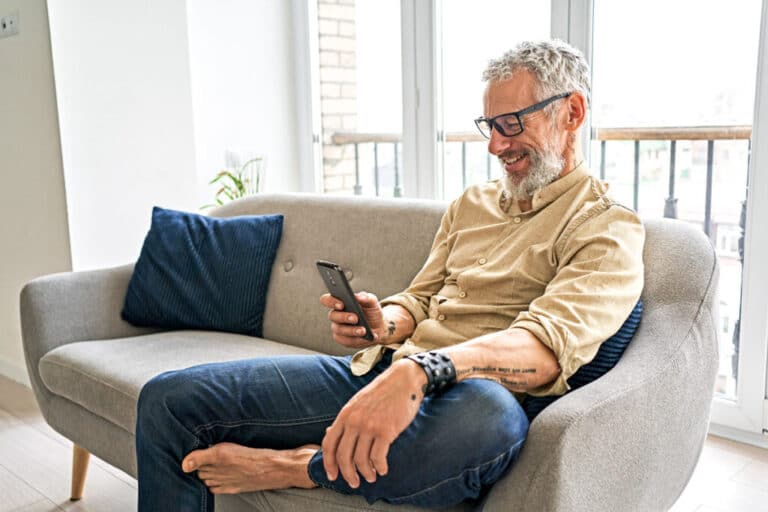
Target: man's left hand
360,437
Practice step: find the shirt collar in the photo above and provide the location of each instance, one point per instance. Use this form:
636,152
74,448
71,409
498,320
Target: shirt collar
545,195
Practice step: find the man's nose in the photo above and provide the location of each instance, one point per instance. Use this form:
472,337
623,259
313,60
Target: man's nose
498,143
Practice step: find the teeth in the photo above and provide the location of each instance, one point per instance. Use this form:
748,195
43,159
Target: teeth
512,160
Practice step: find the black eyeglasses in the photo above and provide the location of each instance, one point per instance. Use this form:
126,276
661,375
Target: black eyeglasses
511,124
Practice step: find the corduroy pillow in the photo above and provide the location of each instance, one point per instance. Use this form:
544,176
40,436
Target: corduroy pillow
606,358
199,272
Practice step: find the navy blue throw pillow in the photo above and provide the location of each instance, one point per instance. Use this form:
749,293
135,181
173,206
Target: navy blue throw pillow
606,358
199,272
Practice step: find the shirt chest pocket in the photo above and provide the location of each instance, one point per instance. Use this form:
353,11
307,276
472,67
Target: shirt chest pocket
534,270
515,278
470,247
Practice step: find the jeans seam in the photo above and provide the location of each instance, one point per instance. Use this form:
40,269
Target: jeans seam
252,423
195,444
464,471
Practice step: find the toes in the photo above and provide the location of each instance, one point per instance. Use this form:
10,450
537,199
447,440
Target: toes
198,458
224,490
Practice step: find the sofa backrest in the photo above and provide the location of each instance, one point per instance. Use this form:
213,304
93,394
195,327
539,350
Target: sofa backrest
380,243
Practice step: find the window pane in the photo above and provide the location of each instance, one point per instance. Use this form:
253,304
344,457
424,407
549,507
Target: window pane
361,96
472,33
696,73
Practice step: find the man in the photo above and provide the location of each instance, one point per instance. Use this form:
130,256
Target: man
526,277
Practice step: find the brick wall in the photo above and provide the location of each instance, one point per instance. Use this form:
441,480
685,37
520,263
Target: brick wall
338,90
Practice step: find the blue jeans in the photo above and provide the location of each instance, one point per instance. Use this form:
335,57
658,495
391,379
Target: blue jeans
460,442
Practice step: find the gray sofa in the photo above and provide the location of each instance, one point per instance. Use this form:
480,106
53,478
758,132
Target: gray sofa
628,441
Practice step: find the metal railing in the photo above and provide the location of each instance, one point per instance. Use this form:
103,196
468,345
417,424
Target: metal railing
711,134
376,139
355,139
708,133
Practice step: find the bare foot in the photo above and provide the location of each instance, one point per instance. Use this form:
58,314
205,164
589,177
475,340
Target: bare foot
228,468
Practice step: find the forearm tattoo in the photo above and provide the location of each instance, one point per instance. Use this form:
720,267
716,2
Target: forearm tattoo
515,379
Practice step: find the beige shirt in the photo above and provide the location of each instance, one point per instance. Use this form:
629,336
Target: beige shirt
569,270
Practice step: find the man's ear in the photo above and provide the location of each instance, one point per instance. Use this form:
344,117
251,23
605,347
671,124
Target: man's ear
577,111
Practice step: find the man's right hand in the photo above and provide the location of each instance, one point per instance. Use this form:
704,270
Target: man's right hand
343,327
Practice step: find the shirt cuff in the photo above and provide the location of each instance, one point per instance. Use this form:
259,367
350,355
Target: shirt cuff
410,303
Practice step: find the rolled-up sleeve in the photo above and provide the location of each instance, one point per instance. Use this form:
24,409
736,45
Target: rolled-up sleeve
598,281
430,279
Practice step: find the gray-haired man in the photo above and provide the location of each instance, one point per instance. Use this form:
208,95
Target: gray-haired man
512,300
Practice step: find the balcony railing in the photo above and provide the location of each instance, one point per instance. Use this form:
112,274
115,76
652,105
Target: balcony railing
711,134
708,133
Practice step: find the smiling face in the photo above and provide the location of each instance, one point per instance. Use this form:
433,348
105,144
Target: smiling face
540,154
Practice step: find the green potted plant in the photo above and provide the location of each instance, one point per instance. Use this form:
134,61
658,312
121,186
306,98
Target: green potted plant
237,182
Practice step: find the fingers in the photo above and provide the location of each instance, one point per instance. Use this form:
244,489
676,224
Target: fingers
331,302
344,458
347,453
330,443
367,299
345,331
339,455
342,317
350,331
378,457
362,458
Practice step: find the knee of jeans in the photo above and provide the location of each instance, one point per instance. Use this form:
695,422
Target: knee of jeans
153,404
491,412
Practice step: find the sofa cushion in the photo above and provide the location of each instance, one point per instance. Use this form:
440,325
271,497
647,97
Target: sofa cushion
199,272
106,376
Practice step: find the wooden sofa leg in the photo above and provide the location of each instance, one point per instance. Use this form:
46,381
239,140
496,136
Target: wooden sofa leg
80,458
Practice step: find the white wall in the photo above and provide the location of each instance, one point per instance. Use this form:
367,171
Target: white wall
33,232
123,83
130,114
151,94
243,89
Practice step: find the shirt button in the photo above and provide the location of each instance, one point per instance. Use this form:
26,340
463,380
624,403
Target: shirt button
517,220
441,317
482,261
463,294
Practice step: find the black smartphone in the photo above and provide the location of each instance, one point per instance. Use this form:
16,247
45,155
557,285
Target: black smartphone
338,286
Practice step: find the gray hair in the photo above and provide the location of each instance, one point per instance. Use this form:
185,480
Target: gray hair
558,67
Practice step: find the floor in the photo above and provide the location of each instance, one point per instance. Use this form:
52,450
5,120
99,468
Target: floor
35,468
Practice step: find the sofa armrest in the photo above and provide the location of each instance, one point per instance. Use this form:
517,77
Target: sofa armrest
73,306
631,439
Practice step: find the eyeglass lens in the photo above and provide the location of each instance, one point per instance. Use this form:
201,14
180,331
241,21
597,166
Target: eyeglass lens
506,125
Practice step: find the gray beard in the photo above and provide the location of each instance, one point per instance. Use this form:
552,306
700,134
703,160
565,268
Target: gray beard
546,166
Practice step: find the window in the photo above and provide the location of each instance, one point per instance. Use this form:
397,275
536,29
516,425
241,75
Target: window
360,97
679,146
468,38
